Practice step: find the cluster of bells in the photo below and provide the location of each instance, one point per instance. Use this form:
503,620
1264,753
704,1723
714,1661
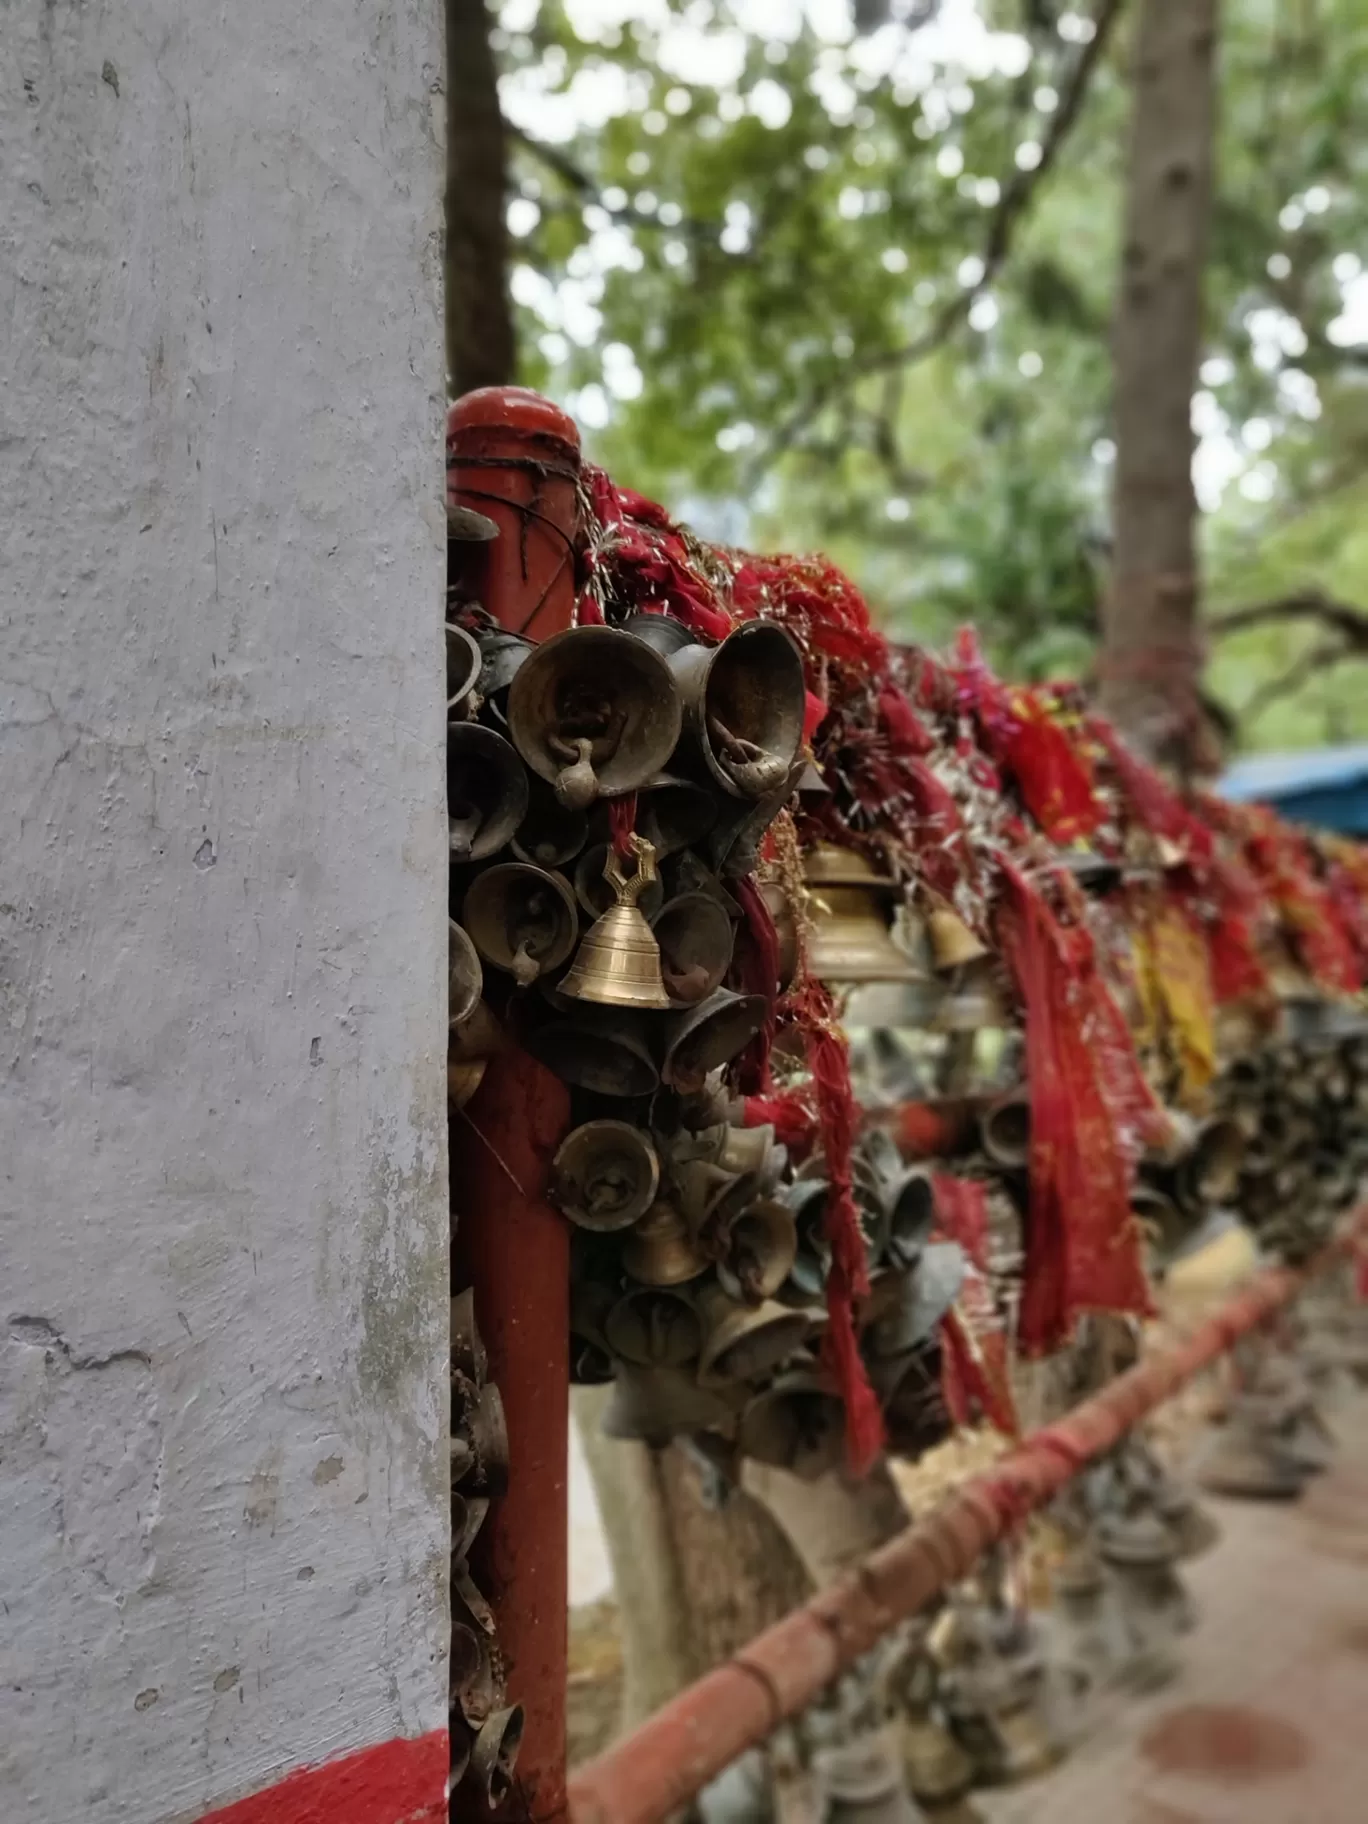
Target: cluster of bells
1270,1435
1300,1103
698,1275
1119,1603
485,1731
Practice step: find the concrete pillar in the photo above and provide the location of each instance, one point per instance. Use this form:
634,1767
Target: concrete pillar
223,1177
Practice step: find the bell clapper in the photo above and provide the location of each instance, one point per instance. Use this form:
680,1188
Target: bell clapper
750,766
577,786
525,967
464,822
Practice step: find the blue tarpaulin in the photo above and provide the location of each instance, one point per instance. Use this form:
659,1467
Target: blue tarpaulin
1326,787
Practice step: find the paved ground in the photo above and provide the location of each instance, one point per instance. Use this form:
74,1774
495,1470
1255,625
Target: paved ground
1268,1722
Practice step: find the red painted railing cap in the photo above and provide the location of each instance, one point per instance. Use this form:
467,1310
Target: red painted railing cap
514,408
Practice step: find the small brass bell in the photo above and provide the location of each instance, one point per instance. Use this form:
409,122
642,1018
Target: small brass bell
605,1175
912,1217
850,902
797,1424
465,978
522,919
710,1035
695,939
926,1292
1005,1129
486,791
953,944
654,1327
653,1405
463,662
1211,1171
602,1051
660,1251
745,702
495,1755
549,836
618,963
761,1245
674,813
741,1343
595,712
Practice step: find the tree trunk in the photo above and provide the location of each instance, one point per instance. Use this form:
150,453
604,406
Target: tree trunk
479,322
1150,659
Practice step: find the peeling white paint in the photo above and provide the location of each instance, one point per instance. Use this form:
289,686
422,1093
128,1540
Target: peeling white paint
222,899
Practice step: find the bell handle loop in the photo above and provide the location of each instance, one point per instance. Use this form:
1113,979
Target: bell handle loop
630,887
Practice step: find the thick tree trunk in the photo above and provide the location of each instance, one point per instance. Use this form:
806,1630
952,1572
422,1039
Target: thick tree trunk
479,322
1150,659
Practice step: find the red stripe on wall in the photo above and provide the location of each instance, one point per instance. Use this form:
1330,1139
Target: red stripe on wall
401,1782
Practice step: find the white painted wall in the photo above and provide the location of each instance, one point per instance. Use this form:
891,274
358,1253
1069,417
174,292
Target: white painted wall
222,898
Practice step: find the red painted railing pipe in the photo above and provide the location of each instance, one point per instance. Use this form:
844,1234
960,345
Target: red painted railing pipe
664,1763
513,456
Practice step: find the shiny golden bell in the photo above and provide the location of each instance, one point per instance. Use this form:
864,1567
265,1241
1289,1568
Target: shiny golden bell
953,944
851,902
618,964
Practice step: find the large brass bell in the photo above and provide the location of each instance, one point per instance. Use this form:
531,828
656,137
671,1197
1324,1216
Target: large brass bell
735,843
654,1327
521,919
661,632
695,939
1005,1129
707,1036
653,1405
797,1424
486,791
605,1175
599,1051
761,1245
851,905
502,653
745,702
953,944
595,712
463,662
661,1250
618,963
744,1343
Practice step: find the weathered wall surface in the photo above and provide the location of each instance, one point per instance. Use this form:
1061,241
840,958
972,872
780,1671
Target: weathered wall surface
222,898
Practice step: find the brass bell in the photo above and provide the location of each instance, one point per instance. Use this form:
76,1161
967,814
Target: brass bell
595,712
522,919
468,1354
662,632
761,1246
495,1755
1159,1216
654,1327
674,813
912,1216
808,1274
653,1405
743,1343
708,1036
660,1251
700,1184
953,944
463,1079
850,904
745,1149
925,1293
486,791
463,662
1005,1129
549,836
465,978
481,1427
745,702
599,1051
618,963
501,653
736,841
467,527
605,1175
695,939
1211,1171
785,929
797,1424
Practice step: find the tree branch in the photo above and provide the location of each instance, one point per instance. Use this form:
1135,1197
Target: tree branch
1316,658
1350,624
1011,206
578,180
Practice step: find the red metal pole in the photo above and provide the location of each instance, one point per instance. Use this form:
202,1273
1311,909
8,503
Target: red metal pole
649,1775
514,456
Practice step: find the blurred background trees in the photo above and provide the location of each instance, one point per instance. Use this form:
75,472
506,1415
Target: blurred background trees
817,276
